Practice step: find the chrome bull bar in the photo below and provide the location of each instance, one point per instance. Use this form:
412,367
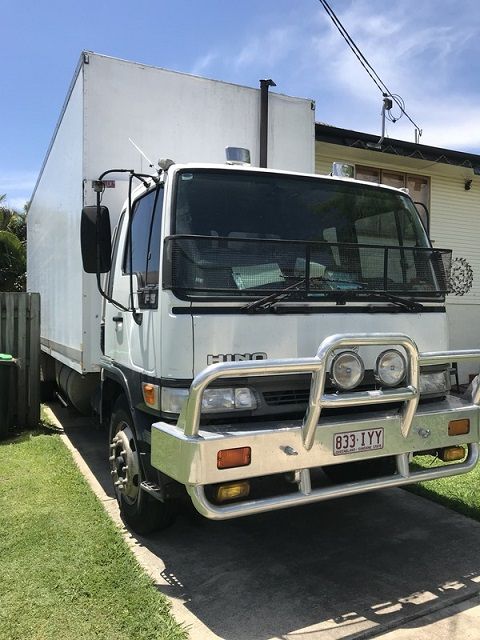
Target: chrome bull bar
317,366
186,434
306,495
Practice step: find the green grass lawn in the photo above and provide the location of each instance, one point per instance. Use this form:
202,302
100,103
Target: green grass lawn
65,571
460,493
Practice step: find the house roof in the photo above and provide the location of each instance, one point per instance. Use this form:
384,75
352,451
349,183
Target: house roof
348,138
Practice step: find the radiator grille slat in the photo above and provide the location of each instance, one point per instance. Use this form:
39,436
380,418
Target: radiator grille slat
286,396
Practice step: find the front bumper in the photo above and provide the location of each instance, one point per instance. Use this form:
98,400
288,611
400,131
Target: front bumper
188,453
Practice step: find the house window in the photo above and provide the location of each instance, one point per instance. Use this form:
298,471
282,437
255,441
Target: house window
369,174
418,186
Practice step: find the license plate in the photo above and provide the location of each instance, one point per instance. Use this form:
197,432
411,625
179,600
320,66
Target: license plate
355,441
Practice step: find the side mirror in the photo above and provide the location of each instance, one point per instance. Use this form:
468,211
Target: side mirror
96,239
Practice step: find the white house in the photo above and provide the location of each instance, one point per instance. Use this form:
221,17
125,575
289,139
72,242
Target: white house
448,184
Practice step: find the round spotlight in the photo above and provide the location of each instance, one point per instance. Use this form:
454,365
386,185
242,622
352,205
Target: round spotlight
391,368
347,370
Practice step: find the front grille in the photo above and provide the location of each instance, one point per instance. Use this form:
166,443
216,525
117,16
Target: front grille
300,394
286,396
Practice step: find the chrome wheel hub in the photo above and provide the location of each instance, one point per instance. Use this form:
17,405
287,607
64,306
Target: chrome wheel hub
124,463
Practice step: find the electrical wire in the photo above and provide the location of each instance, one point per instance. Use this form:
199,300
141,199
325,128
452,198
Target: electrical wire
388,113
382,87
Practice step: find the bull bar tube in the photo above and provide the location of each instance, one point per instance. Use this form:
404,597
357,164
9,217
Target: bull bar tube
188,454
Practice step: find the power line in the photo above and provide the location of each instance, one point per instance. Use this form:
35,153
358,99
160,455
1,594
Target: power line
382,87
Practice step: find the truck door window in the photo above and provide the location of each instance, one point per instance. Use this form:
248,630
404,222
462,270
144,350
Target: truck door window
145,246
115,245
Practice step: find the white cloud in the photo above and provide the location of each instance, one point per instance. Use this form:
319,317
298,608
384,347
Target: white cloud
420,51
17,186
452,125
202,64
418,63
16,204
17,181
402,55
268,48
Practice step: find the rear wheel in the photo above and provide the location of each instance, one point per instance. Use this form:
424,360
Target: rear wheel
140,511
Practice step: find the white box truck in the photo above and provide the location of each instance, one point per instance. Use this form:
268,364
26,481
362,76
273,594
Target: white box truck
254,337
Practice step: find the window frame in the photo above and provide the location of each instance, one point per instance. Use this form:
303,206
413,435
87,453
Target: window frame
147,292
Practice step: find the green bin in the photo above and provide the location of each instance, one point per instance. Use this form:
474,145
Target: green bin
7,371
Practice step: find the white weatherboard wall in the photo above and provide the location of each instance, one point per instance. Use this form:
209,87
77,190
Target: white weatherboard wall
454,224
168,115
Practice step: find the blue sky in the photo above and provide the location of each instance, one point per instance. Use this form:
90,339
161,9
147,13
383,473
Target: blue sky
424,50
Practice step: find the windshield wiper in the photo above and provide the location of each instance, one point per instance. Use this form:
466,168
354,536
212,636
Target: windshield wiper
268,301
341,296
411,305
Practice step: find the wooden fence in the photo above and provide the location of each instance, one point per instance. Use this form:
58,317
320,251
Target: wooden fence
20,337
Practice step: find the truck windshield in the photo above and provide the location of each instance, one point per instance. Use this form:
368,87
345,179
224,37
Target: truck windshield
240,232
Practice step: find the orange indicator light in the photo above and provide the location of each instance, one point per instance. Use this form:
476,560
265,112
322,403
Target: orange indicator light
459,427
229,458
150,394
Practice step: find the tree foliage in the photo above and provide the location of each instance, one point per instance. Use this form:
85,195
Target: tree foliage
13,237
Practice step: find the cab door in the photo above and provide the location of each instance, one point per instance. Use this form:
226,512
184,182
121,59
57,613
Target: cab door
132,340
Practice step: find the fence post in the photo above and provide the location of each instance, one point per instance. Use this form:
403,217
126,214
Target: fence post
20,337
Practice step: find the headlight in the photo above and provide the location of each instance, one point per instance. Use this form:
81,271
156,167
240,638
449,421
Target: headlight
391,368
213,399
434,382
228,399
347,370
173,399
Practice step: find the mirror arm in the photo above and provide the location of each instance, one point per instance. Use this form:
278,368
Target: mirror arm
108,298
99,188
99,284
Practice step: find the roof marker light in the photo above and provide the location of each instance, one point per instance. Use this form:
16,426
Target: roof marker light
343,170
237,155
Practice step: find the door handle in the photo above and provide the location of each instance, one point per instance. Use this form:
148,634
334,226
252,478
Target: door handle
117,318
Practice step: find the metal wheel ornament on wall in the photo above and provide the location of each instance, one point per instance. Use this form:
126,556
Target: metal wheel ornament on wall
461,277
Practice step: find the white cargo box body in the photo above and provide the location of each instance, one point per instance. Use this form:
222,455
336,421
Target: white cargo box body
168,115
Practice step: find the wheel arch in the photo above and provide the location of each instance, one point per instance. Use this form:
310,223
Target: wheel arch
114,384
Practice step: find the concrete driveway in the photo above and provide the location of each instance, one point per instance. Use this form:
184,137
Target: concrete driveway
352,568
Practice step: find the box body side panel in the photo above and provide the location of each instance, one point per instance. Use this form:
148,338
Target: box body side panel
53,248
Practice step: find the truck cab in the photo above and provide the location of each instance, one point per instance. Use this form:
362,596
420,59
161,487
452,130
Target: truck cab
271,339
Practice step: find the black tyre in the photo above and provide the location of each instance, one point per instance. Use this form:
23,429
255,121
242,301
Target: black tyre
139,510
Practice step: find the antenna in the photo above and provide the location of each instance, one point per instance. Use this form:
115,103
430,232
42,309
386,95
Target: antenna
150,163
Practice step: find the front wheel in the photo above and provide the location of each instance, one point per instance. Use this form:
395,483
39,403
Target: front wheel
139,510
